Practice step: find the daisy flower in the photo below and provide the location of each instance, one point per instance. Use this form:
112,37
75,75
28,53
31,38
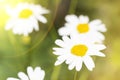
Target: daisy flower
36,74
81,27
74,52
24,18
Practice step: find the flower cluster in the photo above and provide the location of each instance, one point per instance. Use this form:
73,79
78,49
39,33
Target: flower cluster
81,39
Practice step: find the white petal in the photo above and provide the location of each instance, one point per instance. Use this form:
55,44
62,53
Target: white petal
58,62
83,19
88,62
70,59
98,54
41,18
100,36
59,43
35,24
99,47
71,18
10,78
44,11
65,38
30,72
59,51
72,65
97,25
39,9
102,28
23,76
39,73
11,12
95,22
79,65
63,57
63,31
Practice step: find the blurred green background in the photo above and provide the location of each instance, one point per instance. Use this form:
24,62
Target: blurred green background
18,52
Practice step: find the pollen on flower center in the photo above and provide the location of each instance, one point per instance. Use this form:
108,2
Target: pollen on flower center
83,28
25,13
79,50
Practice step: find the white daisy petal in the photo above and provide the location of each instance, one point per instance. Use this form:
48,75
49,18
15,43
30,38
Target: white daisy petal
96,22
41,18
62,57
72,65
100,54
40,72
43,11
35,24
95,53
63,31
39,9
100,36
36,74
58,62
11,11
61,52
102,28
71,18
65,38
79,65
70,60
83,19
58,49
100,47
10,78
88,62
59,42
57,53
30,72
23,76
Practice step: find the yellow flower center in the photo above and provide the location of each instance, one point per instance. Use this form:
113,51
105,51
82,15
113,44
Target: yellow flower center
25,13
83,28
79,50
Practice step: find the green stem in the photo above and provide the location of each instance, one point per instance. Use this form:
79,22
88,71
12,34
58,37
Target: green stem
75,75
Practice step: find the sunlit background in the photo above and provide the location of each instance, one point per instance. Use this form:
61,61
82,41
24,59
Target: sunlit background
18,52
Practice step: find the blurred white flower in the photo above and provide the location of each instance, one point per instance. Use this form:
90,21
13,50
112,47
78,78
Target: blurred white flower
24,18
75,52
36,74
80,27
